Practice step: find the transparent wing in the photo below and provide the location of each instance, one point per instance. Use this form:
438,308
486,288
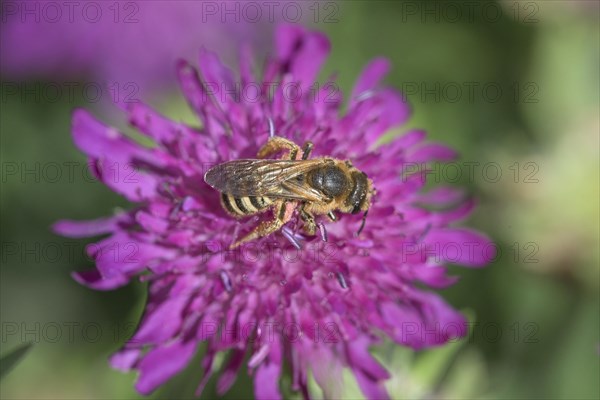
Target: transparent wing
292,189
255,177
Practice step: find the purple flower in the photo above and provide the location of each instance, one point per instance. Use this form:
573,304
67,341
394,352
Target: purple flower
118,43
319,308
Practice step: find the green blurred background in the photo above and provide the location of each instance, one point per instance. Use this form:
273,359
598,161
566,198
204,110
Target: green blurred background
535,309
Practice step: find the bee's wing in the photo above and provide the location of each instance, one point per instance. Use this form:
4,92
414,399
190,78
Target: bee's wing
258,177
292,189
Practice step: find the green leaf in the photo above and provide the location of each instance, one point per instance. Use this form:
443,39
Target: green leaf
8,361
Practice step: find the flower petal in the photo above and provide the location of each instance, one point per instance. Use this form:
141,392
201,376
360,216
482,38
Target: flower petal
442,195
432,152
162,322
460,246
229,374
94,280
301,53
369,78
372,389
266,382
359,357
83,229
161,363
125,359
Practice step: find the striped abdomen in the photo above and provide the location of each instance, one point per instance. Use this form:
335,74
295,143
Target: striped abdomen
241,206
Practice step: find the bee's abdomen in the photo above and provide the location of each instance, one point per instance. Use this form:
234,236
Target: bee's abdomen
244,205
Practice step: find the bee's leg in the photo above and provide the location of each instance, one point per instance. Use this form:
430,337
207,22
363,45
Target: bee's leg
277,144
306,150
265,228
310,226
362,224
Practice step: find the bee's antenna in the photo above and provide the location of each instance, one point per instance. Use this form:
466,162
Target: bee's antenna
362,224
271,127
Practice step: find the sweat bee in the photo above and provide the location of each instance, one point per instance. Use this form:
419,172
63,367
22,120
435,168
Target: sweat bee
316,186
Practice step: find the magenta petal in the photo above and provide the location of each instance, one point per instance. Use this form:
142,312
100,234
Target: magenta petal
394,112
442,196
217,79
372,389
405,141
287,39
191,85
454,214
434,276
369,78
94,280
162,322
124,178
162,363
114,157
266,382
229,374
207,366
214,72
152,223
125,359
302,53
151,123
82,229
441,322
460,246
123,254
432,152
358,354
98,140
406,323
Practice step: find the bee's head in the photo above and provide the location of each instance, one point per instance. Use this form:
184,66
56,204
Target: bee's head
359,197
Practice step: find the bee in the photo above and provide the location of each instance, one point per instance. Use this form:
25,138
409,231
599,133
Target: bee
316,186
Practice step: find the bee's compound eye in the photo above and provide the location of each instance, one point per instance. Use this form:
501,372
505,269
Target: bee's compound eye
330,180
